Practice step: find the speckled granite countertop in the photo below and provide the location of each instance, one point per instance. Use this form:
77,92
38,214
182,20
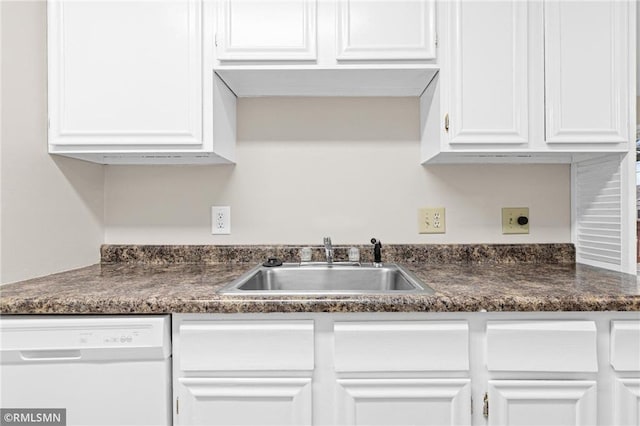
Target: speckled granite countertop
147,283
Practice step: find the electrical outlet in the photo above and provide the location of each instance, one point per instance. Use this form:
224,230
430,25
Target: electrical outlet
431,220
221,220
515,220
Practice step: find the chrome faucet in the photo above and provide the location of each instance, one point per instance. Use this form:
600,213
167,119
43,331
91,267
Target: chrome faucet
328,249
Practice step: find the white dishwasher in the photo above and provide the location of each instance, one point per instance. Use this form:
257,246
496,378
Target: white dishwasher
104,370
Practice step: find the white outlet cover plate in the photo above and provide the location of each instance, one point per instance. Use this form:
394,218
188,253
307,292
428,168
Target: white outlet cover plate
221,220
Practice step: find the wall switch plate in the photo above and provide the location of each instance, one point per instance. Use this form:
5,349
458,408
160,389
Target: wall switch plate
431,220
510,218
221,220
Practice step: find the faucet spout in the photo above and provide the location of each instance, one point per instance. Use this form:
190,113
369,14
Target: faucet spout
328,249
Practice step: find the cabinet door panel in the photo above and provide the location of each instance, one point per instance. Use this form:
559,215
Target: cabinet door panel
586,71
403,402
488,62
626,399
273,30
386,30
125,73
542,402
244,401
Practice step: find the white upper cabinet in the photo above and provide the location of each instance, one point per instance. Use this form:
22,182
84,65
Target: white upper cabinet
386,30
326,47
129,81
488,72
587,71
156,81
530,81
100,56
266,30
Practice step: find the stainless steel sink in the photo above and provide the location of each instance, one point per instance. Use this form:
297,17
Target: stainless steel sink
324,279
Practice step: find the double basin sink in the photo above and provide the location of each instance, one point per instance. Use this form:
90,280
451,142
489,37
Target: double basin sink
327,279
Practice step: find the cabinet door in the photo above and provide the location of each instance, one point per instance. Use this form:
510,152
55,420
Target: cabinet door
386,30
542,402
586,71
271,30
125,73
488,61
626,400
403,402
244,401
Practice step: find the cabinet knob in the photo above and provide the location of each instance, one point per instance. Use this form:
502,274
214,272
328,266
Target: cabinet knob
446,122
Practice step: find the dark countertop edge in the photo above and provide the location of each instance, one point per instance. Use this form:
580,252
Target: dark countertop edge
434,303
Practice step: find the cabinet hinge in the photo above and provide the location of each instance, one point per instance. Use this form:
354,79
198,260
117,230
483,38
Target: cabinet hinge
485,405
446,122
177,405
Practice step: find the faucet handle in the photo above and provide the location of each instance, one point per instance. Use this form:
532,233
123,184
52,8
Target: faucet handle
327,241
354,255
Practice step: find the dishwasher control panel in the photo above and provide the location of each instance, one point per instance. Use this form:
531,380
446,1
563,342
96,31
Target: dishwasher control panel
140,336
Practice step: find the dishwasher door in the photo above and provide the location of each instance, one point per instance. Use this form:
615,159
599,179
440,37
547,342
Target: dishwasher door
109,370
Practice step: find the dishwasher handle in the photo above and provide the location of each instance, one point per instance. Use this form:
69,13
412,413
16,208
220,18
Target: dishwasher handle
51,355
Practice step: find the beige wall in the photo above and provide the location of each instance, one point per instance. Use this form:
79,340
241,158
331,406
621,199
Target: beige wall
347,168
51,208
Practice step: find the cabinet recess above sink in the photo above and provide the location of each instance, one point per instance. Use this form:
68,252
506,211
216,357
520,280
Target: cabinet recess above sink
327,81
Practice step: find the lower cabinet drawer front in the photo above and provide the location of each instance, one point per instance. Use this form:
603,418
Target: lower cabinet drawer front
542,346
246,345
625,345
401,346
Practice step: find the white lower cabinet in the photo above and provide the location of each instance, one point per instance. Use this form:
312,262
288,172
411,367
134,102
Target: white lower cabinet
554,353
243,372
381,370
374,369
